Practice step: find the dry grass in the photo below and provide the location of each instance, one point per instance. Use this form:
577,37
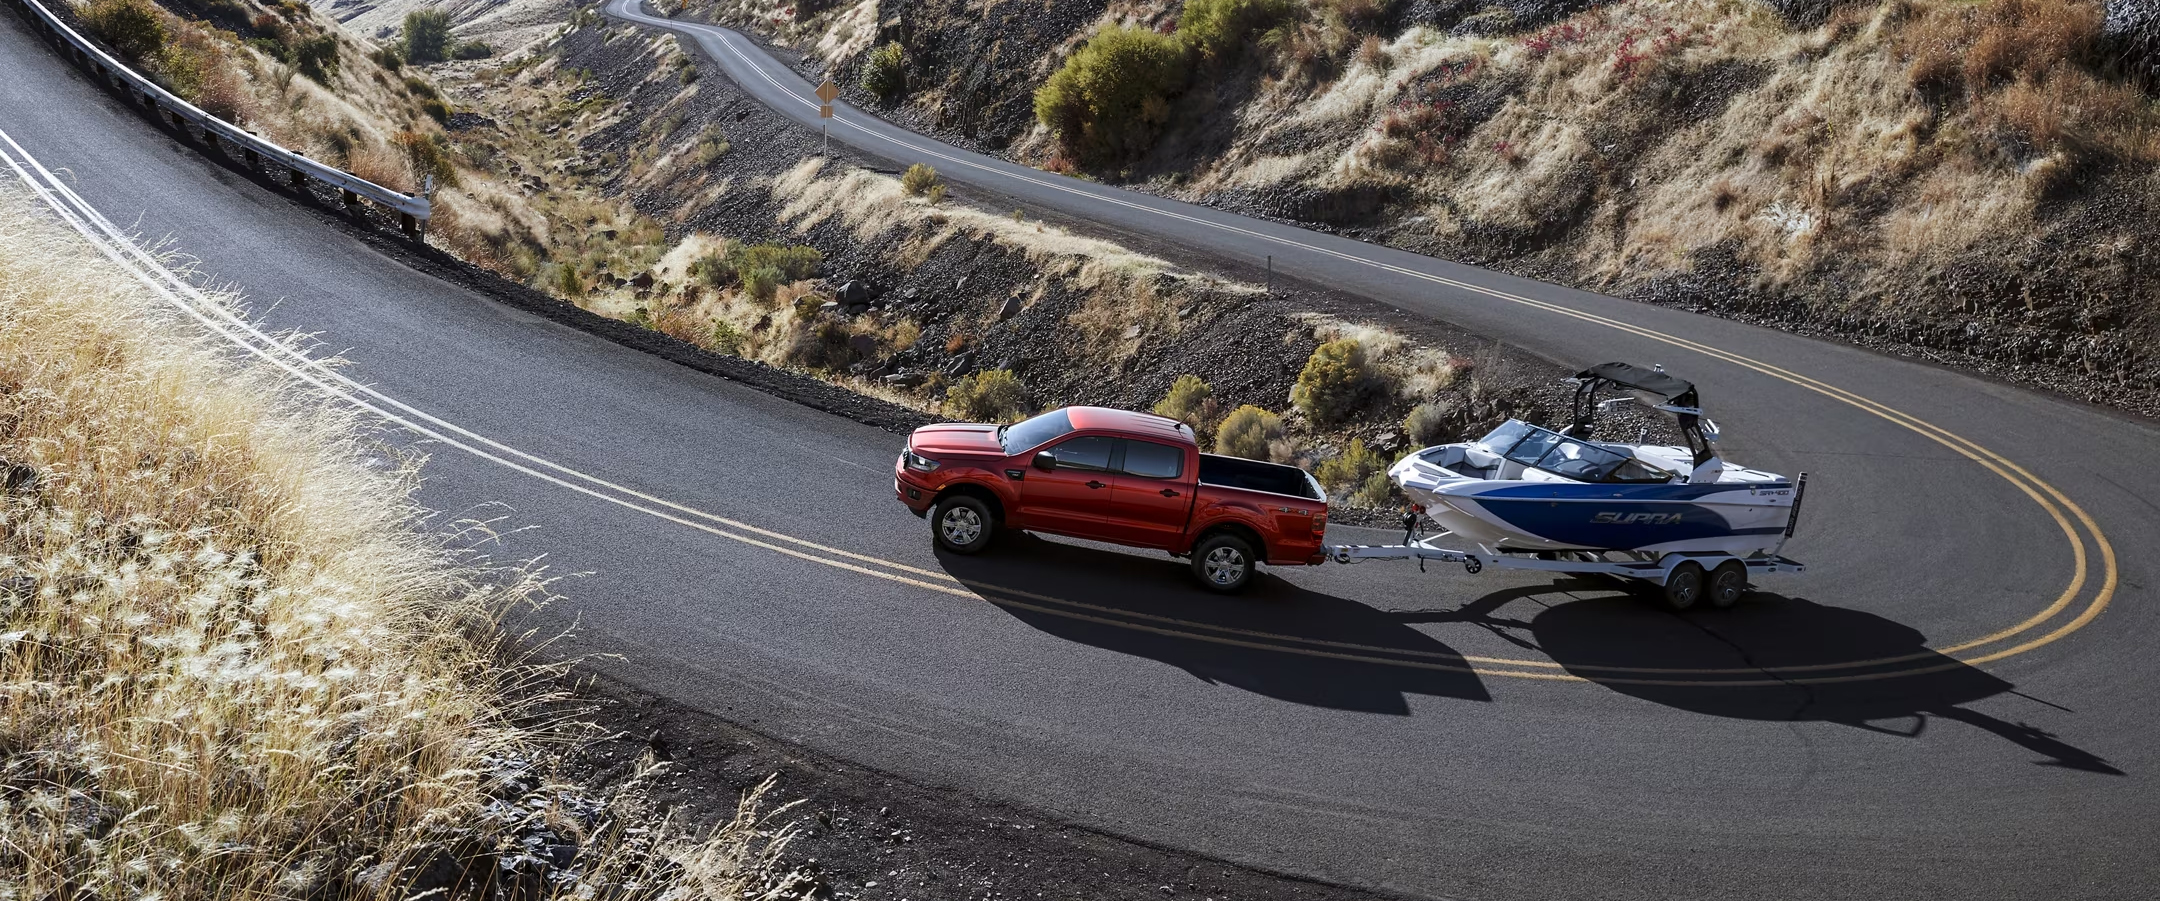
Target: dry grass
230,664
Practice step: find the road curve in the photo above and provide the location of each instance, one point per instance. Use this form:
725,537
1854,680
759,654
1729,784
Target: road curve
1955,702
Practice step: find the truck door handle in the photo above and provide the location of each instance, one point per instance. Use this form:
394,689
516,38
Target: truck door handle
1168,493
1096,485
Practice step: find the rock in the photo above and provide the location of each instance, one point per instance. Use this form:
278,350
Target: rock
960,285
961,364
1010,309
830,306
906,379
855,293
1132,331
643,282
863,345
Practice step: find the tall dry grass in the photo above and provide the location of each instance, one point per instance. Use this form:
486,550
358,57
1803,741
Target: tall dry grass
233,665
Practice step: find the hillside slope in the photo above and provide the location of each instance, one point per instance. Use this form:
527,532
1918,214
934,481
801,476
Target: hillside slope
1975,181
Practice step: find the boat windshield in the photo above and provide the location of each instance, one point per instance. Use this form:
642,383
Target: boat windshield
1567,457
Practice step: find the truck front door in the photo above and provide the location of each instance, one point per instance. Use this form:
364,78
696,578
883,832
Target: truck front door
1153,496
1074,498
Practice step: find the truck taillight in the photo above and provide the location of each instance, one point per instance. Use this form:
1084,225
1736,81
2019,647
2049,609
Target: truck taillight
1319,522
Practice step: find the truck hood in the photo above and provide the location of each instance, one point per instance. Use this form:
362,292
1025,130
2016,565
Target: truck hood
952,438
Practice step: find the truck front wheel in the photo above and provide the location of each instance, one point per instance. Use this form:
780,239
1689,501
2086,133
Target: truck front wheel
962,524
1224,563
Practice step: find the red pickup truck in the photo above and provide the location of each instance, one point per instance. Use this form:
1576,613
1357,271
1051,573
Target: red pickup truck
1112,475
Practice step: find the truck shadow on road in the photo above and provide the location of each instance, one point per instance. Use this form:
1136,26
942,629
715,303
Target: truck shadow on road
1276,639
1769,658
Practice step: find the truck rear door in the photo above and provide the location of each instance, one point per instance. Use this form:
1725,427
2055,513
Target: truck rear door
1153,496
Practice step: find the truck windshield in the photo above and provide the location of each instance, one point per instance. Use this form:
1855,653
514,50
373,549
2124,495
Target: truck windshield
1029,434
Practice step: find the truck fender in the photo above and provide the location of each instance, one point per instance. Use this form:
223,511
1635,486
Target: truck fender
980,488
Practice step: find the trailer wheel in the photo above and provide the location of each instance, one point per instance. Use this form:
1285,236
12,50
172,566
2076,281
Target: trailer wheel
962,524
1223,563
1684,585
1728,582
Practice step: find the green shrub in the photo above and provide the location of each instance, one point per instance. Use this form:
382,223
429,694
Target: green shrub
1378,491
760,282
918,180
272,48
885,72
1189,401
472,50
1428,424
436,109
688,75
1352,468
131,27
419,87
733,265
822,344
181,69
425,153
426,37
317,58
1217,28
567,282
993,395
388,58
1333,381
1110,99
1247,432
936,194
726,338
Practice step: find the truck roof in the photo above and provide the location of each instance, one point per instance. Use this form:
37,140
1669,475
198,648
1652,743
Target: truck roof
1129,421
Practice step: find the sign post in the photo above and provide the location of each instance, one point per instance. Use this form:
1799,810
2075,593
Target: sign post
826,94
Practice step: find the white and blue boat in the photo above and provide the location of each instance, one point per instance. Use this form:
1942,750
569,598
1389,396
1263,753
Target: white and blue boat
1527,489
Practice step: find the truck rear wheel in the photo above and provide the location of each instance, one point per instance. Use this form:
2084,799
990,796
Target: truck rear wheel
1223,563
962,524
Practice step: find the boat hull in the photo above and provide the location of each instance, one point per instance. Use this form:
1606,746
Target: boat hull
1738,519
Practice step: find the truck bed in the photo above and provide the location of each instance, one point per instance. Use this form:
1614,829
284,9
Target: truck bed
1253,475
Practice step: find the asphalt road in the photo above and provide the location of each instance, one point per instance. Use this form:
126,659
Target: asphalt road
1958,700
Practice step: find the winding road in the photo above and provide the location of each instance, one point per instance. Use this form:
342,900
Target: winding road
1959,700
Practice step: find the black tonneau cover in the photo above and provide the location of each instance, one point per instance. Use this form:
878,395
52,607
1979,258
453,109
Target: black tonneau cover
1253,475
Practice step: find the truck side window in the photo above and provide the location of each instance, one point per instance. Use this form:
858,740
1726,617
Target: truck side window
1154,461
1090,452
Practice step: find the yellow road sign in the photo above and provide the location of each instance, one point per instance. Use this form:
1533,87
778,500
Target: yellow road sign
824,111
828,91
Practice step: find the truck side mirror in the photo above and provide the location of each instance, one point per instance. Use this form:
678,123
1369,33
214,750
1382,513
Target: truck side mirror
1046,461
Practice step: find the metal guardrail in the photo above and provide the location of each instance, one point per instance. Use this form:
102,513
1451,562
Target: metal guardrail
412,211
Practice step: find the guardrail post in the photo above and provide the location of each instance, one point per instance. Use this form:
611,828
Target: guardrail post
299,178
253,158
179,122
351,199
406,222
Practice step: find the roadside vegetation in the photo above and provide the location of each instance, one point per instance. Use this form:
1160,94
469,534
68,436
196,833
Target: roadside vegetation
234,662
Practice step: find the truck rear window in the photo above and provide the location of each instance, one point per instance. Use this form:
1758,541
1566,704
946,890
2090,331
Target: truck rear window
1154,461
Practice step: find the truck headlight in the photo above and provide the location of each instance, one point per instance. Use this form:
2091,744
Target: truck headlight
917,462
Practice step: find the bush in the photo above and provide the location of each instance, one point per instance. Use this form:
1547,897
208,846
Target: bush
1189,401
317,58
1428,424
1110,99
388,58
1216,28
733,265
1333,381
885,72
936,194
822,344
426,37
726,339
993,395
181,68
760,282
918,180
424,152
1247,432
1377,491
472,50
131,27
1352,468
436,109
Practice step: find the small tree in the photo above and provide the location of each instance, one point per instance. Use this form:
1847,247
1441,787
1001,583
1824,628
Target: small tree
317,58
1189,401
1332,382
132,27
885,72
426,37
1356,464
1109,100
1428,424
1247,432
919,179
993,395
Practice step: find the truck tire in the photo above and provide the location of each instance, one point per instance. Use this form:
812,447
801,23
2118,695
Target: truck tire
962,524
1224,563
